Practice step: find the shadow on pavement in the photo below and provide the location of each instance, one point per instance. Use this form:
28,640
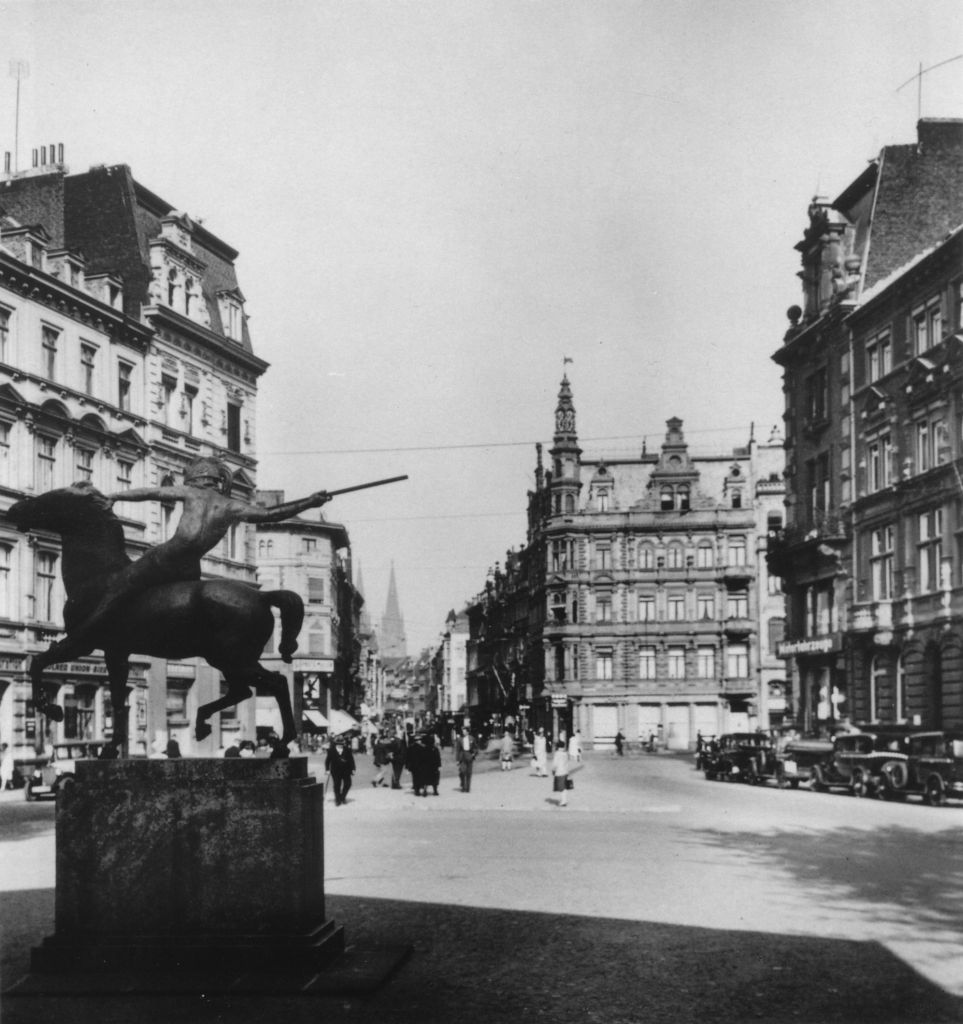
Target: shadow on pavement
474,965
884,867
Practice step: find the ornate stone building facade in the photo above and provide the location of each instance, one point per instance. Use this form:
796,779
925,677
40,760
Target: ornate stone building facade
648,605
870,554
124,354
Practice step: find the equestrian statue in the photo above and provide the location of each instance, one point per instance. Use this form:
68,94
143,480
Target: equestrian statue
158,605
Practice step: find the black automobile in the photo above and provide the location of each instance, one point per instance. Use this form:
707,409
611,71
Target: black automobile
856,759
932,768
739,756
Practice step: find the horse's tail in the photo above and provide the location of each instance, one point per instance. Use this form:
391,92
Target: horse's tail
291,608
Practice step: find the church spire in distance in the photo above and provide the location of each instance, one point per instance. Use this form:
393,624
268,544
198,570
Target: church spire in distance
393,643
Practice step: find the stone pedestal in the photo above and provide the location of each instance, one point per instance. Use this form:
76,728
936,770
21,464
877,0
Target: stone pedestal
190,866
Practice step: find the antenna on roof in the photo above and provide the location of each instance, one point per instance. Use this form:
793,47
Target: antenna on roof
19,69
918,78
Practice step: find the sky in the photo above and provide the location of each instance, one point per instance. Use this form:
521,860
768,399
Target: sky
436,202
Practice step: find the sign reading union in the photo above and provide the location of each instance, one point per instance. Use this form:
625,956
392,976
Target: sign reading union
814,645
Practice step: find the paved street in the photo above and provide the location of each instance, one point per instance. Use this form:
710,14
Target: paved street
654,896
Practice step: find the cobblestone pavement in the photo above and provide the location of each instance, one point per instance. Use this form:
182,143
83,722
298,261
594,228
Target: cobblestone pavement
518,910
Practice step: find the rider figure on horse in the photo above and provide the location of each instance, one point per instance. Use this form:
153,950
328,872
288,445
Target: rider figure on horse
209,513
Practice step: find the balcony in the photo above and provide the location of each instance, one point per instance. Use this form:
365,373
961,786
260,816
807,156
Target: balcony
871,618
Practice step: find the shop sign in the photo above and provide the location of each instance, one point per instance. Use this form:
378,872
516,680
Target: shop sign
11,664
314,664
180,671
559,700
814,645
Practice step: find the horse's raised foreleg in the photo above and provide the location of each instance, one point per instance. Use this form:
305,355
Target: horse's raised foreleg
237,690
118,669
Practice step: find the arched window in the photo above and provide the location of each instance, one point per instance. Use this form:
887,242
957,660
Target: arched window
675,556
667,499
737,499
569,502
683,497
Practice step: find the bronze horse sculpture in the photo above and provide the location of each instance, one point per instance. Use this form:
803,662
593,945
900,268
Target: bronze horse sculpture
225,622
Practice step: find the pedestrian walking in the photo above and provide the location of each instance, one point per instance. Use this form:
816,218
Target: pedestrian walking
575,747
417,763
381,756
339,764
397,758
466,750
619,743
432,764
507,751
560,773
540,754
6,767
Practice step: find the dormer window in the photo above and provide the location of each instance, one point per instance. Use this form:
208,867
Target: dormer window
232,323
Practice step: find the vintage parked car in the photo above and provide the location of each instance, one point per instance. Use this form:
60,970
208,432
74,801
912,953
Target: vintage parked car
932,768
739,756
51,774
856,759
799,757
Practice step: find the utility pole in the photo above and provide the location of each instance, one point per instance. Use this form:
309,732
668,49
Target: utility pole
19,69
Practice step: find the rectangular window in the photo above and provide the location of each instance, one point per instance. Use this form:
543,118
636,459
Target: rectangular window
85,465
880,463
88,356
675,608
6,610
309,544
646,608
603,609
879,359
647,663
124,374
50,338
168,389
675,663
233,427
882,543
704,557
706,606
4,335
45,580
187,407
926,326
737,661
816,392
46,464
603,666
737,550
930,549
603,557
315,590
178,691
706,662
737,605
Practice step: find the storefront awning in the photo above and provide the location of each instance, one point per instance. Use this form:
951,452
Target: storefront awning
315,718
341,722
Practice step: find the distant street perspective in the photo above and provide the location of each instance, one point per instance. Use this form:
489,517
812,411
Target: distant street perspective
654,895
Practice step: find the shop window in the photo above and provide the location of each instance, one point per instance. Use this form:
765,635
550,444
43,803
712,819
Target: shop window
79,714
178,693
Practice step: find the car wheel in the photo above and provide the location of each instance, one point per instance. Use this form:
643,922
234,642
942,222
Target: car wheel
858,787
794,783
893,778
818,783
935,794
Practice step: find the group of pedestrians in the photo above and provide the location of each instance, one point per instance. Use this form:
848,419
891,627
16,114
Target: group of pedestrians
421,756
